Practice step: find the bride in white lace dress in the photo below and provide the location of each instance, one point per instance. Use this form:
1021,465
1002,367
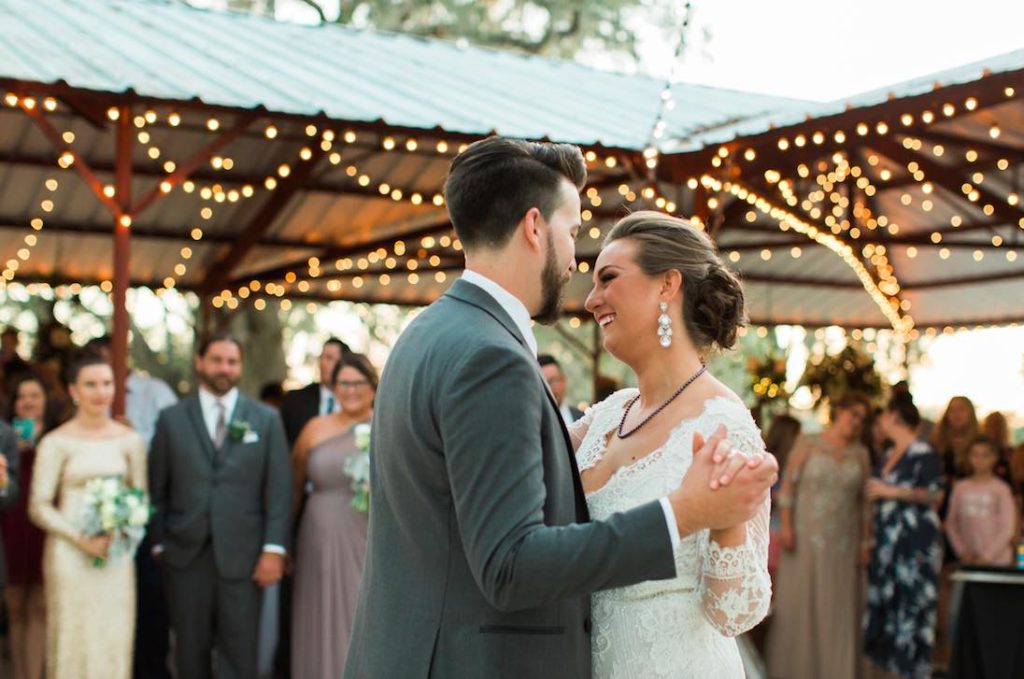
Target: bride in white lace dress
663,300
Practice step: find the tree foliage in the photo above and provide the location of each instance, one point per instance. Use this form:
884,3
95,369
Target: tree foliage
556,28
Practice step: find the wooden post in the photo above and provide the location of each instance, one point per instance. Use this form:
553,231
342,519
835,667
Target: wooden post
122,257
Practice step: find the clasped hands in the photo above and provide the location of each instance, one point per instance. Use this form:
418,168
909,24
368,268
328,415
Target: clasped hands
723,487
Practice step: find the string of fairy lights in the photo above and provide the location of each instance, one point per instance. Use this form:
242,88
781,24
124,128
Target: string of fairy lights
832,197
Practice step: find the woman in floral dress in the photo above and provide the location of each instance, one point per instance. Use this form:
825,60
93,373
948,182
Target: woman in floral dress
899,624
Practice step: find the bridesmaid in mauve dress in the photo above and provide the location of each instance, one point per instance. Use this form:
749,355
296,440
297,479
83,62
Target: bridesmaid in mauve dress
331,544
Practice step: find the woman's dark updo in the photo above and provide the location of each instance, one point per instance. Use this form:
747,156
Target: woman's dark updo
81,362
713,305
903,405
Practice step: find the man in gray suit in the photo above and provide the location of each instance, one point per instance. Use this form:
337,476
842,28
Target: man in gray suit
481,557
220,480
9,457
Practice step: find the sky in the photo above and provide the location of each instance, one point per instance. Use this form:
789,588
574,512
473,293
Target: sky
824,50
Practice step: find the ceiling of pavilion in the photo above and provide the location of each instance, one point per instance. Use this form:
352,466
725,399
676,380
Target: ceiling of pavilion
381,124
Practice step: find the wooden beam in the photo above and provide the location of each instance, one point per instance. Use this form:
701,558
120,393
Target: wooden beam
912,286
122,259
167,184
339,251
950,179
1011,153
143,232
80,165
250,234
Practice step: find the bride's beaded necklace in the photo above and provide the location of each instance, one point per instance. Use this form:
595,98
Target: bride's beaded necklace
629,406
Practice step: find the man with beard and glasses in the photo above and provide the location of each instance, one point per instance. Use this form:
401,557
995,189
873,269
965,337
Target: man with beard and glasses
220,480
481,556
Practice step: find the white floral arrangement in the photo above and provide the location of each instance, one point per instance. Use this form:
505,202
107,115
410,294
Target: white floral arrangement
357,468
115,509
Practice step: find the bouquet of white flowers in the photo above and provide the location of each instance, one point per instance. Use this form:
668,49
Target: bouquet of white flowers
358,468
114,509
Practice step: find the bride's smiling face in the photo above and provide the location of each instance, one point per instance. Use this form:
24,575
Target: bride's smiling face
624,301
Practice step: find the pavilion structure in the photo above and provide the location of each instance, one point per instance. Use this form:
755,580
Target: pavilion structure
146,143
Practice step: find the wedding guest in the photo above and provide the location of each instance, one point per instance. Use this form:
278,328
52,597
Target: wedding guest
903,570
1017,470
272,394
298,407
982,518
23,540
302,405
90,616
780,438
873,436
145,397
997,429
557,381
953,435
221,488
814,625
331,546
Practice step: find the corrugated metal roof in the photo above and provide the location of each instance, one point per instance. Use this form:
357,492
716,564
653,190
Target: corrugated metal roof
170,51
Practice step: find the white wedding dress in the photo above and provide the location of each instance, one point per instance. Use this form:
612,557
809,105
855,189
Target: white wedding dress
681,627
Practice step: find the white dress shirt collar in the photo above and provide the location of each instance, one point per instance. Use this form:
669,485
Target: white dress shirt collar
208,404
327,399
508,302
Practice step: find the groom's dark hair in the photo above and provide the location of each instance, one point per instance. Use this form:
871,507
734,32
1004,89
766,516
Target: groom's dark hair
495,181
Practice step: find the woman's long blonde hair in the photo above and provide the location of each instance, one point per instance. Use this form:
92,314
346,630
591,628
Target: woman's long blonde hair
944,438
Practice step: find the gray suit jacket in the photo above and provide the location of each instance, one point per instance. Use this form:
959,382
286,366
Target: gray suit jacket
238,497
480,559
9,449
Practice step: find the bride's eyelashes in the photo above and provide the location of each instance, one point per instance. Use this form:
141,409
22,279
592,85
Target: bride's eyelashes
607,278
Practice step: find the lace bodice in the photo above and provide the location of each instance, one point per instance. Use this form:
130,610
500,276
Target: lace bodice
718,592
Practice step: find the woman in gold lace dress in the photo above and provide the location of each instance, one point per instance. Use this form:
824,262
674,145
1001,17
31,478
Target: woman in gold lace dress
90,609
814,629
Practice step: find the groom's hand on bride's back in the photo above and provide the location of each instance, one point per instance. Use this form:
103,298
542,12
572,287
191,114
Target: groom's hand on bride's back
722,488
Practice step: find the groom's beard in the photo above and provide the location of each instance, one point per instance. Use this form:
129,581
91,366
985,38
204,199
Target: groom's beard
552,287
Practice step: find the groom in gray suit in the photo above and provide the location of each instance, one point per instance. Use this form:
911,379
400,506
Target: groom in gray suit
481,555
220,480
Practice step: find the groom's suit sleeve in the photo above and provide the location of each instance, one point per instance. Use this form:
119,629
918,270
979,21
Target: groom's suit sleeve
490,420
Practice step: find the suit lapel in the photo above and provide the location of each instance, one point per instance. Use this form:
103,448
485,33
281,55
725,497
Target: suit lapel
195,412
476,296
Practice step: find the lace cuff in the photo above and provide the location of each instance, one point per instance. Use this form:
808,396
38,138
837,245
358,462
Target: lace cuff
724,563
735,587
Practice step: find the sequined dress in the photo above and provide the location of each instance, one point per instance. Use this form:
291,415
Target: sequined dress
683,627
816,620
90,611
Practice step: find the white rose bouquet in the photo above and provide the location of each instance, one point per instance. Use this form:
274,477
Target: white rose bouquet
112,508
358,468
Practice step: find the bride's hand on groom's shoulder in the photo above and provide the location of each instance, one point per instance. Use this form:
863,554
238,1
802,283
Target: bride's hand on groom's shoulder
722,488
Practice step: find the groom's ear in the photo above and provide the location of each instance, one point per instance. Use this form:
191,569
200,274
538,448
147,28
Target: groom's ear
532,228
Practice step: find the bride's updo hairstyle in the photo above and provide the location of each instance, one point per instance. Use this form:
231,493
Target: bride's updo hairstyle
712,296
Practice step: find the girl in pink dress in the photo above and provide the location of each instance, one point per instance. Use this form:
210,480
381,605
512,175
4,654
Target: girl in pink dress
982,514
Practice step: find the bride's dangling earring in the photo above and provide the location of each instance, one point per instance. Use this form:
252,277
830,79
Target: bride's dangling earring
664,326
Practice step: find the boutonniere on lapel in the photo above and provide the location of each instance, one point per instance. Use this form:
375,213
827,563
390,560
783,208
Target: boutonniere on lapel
242,431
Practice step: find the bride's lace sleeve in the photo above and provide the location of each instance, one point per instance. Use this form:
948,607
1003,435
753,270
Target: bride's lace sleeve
734,585
578,429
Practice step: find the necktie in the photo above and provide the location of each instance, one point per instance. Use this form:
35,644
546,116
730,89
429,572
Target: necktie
330,405
221,430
